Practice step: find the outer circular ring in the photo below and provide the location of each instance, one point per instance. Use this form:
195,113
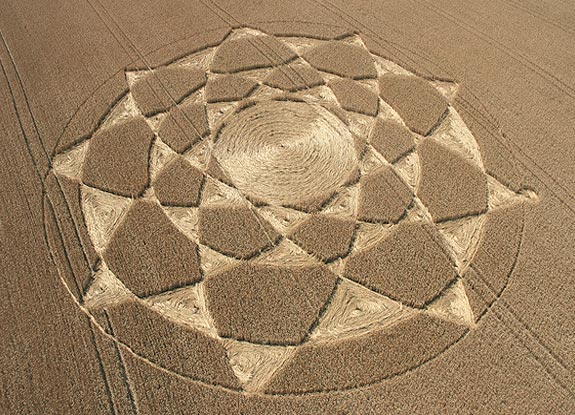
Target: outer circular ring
63,263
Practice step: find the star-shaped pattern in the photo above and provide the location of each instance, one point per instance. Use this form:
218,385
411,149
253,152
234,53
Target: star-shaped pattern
272,192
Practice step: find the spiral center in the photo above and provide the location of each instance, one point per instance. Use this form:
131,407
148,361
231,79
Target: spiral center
285,152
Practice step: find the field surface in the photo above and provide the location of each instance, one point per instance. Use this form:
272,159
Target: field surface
306,207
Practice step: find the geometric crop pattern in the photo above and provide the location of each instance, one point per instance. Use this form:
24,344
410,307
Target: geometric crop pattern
272,193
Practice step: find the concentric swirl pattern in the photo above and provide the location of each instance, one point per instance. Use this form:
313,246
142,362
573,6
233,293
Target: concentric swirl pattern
285,152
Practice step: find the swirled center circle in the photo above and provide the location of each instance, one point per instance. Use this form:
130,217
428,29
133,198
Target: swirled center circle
285,152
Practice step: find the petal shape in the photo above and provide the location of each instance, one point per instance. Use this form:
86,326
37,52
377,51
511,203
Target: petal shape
179,184
165,87
320,367
410,265
418,103
391,139
237,231
326,236
268,304
148,253
250,52
184,126
342,59
450,186
117,160
294,77
384,196
229,88
355,97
